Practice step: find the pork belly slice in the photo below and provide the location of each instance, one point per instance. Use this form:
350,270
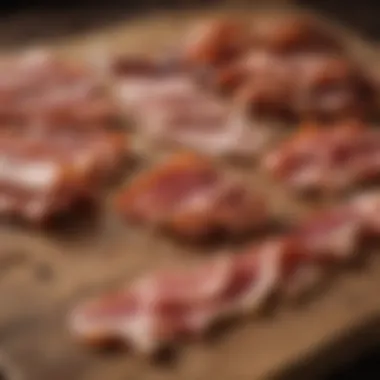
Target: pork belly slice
321,86
107,149
284,67
169,109
332,87
36,188
171,305
190,197
333,159
38,87
231,45
49,175
217,41
214,42
254,64
163,308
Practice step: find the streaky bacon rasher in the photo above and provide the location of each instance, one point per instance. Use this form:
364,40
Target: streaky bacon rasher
169,306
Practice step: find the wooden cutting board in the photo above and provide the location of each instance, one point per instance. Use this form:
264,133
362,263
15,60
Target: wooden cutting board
44,274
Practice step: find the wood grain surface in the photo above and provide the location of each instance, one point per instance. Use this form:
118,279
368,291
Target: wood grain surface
44,274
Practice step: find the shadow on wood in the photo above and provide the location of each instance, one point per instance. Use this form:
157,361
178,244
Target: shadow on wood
352,357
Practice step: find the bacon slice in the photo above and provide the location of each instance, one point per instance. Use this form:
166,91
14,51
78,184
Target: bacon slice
254,64
301,86
41,176
214,42
165,307
35,189
291,66
183,114
187,195
330,86
39,88
327,159
108,148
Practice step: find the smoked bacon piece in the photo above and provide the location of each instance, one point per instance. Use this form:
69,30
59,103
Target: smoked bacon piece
169,109
188,196
167,307
45,175
327,159
38,88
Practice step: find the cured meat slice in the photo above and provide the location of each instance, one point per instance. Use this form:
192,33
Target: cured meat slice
138,78
367,206
183,114
254,64
187,195
39,88
214,42
268,86
165,307
108,149
330,86
302,86
327,159
48,175
204,124
35,188
291,66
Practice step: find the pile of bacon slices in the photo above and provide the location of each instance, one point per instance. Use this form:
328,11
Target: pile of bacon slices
68,127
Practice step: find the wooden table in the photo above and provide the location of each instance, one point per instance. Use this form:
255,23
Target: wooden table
43,274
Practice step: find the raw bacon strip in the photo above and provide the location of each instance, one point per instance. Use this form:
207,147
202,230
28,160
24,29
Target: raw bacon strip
254,64
330,86
48,175
107,150
36,188
38,88
327,159
292,66
183,114
165,307
214,42
140,78
313,85
187,195
267,85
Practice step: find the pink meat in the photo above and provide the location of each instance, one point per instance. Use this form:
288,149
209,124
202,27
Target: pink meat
334,159
168,306
190,197
45,174
172,110
39,88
